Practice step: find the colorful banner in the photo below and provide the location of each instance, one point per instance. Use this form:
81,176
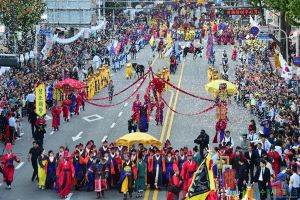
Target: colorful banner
40,100
228,179
203,181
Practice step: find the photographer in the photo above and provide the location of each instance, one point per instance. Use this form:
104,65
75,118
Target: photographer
203,141
39,134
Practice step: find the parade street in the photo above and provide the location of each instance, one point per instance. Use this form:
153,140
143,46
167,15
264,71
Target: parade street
95,122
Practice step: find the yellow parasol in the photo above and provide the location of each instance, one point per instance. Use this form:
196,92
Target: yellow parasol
213,87
136,138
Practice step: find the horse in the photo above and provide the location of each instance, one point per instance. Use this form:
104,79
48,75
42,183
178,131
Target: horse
133,51
139,69
195,51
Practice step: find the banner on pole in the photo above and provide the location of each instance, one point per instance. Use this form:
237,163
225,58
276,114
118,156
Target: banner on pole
40,100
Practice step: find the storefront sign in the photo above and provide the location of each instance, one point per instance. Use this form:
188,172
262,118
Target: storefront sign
242,12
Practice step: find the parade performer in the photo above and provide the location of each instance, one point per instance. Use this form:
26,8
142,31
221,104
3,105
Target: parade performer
128,70
79,167
144,116
89,171
136,108
7,161
181,159
66,109
42,169
78,104
54,117
127,176
174,183
220,130
51,170
234,54
173,64
82,93
159,168
73,103
140,183
104,148
159,114
101,172
169,160
188,169
150,175
58,113
65,172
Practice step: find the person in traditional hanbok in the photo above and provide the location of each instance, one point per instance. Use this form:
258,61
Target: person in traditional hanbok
54,118
51,170
127,176
66,109
174,183
58,113
158,169
78,104
89,171
136,108
188,169
169,160
79,167
101,172
181,159
7,160
73,104
42,169
140,183
65,172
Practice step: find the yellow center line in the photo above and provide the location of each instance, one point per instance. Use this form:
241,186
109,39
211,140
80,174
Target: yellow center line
155,194
175,102
162,135
147,193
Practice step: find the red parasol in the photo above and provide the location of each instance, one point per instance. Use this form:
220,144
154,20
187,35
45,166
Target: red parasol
70,84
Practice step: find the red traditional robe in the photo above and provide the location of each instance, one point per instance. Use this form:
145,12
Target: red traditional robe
276,161
136,110
188,169
64,172
54,117
78,104
8,170
66,108
174,181
234,54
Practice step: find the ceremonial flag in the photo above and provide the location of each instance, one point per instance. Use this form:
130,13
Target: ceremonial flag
169,40
152,41
40,100
169,51
203,181
209,47
176,46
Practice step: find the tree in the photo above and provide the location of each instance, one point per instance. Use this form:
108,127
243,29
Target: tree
259,4
21,16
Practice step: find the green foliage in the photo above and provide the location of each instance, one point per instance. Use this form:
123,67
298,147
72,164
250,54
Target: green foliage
25,13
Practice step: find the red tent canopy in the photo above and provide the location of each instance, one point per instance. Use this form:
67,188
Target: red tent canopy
70,83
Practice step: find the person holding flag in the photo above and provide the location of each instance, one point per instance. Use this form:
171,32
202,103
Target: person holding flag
188,169
152,43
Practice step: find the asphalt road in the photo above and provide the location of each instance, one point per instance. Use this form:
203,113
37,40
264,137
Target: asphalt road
95,123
